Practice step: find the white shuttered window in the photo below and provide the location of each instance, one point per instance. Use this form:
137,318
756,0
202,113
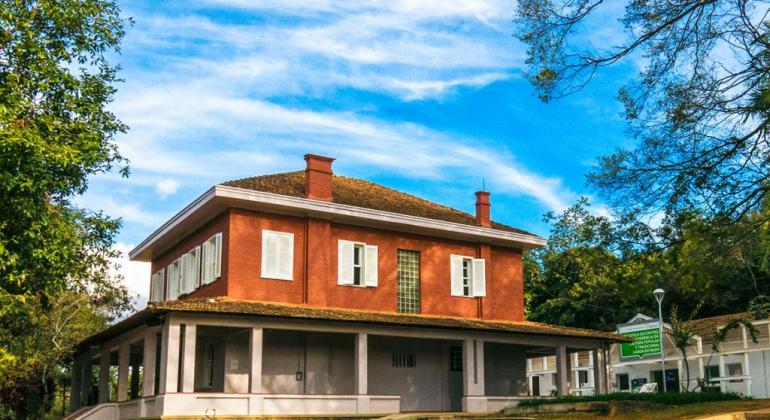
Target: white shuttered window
174,271
277,255
211,257
468,276
157,283
191,276
357,264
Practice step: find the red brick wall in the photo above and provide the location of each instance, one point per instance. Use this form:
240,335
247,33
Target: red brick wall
245,262
219,224
315,278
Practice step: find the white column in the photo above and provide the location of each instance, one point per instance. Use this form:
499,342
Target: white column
473,400
722,372
104,375
188,359
473,369
148,375
169,358
745,337
747,372
362,364
123,360
681,376
561,370
599,374
701,368
255,346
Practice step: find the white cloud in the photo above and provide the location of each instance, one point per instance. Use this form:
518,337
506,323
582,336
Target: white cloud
136,275
411,50
260,133
166,187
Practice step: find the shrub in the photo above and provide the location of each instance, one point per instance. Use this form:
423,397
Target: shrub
666,398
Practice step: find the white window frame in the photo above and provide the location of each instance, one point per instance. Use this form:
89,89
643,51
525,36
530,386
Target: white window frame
475,268
368,264
273,270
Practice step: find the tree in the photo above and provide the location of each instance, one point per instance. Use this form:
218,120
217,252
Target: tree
597,273
585,276
55,131
699,108
682,337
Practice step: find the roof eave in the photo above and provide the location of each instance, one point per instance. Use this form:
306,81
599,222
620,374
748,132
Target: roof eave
221,197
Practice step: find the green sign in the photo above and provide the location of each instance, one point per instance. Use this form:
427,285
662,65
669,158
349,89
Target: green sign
646,340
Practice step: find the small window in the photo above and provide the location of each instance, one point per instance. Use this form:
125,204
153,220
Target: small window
157,286
467,275
734,369
277,255
358,263
712,371
404,360
212,259
455,359
623,382
174,279
582,378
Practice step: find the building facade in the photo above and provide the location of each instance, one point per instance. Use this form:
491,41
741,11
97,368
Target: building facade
740,363
312,293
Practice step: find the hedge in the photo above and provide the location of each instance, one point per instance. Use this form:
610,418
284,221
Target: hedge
666,398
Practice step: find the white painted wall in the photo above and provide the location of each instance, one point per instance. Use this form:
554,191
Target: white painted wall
425,387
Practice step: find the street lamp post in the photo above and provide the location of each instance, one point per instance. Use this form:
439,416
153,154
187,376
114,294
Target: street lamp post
658,293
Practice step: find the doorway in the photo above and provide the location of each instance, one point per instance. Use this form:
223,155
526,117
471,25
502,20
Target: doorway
535,386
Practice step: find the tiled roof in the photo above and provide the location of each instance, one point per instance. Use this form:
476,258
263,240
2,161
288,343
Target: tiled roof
360,193
223,305
706,327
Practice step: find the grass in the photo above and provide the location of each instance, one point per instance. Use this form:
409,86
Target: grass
666,398
669,413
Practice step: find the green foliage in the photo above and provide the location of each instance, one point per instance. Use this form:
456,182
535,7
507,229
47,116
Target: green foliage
666,398
760,307
699,109
596,272
55,131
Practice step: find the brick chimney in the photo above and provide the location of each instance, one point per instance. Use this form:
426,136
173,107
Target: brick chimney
318,177
482,209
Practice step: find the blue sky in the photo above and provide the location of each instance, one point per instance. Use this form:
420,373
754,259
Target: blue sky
426,97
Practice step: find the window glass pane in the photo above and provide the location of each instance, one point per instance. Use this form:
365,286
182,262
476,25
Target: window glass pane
408,293
467,276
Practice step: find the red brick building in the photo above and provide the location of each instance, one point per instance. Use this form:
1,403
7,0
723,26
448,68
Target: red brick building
313,293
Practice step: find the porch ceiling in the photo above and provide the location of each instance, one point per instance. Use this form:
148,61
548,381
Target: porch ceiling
280,310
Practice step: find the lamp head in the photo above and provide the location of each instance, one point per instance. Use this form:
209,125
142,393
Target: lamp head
658,293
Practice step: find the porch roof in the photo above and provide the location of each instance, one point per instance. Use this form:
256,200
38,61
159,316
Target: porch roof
223,305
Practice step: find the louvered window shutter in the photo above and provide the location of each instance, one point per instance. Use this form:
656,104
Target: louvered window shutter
286,256
195,268
208,262
218,256
161,284
479,278
269,254
370,266
154,288
345,262
185,284
456,274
